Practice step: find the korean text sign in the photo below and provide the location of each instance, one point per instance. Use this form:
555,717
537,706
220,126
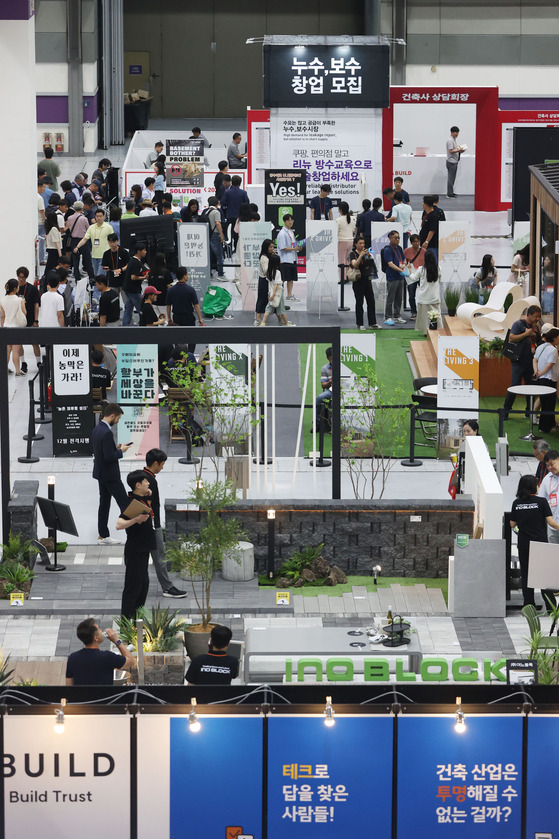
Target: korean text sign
454,785
318,782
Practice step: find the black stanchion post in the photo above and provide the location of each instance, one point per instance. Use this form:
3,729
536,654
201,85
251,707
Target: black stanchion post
262,438
341,307
186,430
32,403
321,423
411,460
42,394
46,373
501,422
30,436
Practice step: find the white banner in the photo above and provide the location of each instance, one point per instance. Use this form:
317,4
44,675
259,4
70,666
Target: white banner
322,267
260,151
69,784
231,392
454,252
339,146
251,236
70,370
194,255
358,353
457,382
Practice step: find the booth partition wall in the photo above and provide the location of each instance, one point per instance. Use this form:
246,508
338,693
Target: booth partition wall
544,237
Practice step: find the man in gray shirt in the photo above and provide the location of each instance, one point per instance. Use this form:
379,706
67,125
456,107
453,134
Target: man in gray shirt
236,158
453,151
153,155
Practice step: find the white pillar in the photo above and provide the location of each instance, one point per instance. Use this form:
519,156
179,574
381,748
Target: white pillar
18,208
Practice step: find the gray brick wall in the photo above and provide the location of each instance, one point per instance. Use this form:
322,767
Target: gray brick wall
22,509
356,534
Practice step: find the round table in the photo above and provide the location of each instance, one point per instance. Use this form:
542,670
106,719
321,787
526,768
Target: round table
430,390
530,391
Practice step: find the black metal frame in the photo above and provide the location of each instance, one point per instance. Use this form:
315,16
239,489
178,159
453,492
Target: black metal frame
177,334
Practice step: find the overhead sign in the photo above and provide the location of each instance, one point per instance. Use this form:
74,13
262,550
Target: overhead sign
328,76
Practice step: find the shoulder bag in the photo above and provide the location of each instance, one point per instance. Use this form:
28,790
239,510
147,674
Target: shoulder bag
511,350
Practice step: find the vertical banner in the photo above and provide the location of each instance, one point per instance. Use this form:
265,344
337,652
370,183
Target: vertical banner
259,157
285,191
137,388
453,785
72,415
185,163
54,782
177,767
357,360
251,236
231,394
322,267
194,255
454,252
319,785
339,146
457,387
542,806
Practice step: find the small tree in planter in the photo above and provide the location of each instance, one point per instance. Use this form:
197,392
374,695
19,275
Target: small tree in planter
163,664
203,554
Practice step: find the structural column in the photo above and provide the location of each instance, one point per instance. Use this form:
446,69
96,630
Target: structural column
18,137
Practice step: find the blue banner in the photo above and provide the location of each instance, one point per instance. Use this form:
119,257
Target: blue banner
216,779
542,806
329,782
454,784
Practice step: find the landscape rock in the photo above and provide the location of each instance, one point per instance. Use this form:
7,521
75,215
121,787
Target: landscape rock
320,567
284,582
338,574
299,584
308,575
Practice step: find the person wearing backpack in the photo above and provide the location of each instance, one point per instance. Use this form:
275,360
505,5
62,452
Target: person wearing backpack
394,264
212,217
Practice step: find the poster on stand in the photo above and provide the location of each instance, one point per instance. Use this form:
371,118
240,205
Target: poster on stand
260,151
194,255
285,191
455,253
186,760
184,165
466,784
457,388
317,786
322,267
229,366
341,147
52,782
72,414
137,393
357,362
251,236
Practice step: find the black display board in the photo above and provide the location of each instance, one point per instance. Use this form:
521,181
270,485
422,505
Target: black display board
326,76
531,146
285,192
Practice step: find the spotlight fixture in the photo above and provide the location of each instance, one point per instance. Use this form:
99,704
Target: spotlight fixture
271,515
193,721
376,571
329,712
460,725
59,718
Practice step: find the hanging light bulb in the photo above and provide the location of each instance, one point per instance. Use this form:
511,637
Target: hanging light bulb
329,712
193,721
59,718
460,725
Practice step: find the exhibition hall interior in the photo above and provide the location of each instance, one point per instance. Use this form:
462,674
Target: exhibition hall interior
278,443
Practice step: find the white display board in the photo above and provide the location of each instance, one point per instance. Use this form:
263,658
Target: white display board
194,255
379,238
251,236
543,567
260,148
229,364
69,784
358,354
322,267
454,251
457,387
70,370
482,483
339,146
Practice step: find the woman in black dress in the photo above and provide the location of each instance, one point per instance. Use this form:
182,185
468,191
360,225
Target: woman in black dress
531,514
362,260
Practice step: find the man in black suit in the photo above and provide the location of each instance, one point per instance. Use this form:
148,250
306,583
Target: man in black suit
106,455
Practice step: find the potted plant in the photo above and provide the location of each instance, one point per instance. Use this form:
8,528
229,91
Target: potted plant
200,556
433,316
452,299
19,550
471,295
15,576
162,643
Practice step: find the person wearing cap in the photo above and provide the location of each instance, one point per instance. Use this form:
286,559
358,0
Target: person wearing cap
97,234
147,208
78,225
148,315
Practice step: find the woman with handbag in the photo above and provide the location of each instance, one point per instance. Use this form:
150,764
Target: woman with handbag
362,270
276,301
429,293
13,314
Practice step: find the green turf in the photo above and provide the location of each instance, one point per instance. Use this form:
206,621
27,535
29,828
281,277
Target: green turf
383,582
395,373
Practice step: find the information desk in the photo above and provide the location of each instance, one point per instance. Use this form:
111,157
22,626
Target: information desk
285,642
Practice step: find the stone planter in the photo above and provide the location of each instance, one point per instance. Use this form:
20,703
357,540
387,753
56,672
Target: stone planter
196,643
162,668
238,566
24,587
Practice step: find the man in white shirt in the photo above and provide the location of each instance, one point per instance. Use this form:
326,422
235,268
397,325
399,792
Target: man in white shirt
51,312
401,213
287,250
549,489
147,209
148,192
453,152
41,222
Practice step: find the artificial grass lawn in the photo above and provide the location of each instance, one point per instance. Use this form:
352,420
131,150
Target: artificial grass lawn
383,582
395,375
